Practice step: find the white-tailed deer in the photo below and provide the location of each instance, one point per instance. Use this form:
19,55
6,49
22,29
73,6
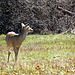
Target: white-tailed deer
15,40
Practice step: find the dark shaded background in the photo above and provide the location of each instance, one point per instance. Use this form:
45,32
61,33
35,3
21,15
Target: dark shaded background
42,15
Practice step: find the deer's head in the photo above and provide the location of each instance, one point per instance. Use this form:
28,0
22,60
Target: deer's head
26,27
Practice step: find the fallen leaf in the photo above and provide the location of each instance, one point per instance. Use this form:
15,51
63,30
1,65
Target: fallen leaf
37,68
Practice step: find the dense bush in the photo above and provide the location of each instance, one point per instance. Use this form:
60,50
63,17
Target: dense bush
40,14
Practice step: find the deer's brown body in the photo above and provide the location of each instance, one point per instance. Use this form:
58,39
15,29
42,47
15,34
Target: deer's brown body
15,40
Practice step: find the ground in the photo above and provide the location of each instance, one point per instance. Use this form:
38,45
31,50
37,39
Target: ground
40,55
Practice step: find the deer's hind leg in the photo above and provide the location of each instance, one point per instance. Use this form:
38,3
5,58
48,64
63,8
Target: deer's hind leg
9,52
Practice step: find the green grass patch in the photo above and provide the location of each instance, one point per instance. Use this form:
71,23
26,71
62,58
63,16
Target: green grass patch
40,55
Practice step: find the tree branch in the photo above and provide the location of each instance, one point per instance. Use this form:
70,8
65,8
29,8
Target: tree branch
66,11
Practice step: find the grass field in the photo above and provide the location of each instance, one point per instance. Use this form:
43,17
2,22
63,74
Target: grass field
40,55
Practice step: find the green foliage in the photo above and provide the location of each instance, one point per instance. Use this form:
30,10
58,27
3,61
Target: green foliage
46,33
41,55
65,33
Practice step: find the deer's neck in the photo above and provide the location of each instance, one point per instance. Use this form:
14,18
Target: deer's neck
23,36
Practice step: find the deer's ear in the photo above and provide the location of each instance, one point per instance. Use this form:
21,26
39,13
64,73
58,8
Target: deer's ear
22,25
27,27
27,24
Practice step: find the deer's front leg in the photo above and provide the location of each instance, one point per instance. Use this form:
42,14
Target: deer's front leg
16,50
